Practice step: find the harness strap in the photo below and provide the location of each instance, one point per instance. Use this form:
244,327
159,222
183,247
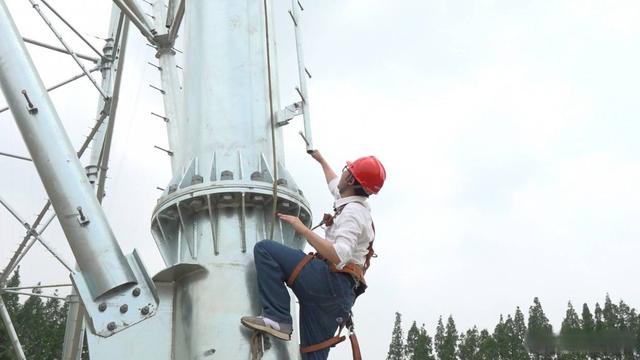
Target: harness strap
323,345
296,271
355,347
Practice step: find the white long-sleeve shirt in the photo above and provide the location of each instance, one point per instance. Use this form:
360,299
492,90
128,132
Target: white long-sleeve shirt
352,229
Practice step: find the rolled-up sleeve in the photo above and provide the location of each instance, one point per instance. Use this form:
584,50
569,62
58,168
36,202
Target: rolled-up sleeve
346,237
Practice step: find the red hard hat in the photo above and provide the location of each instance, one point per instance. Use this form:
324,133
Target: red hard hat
369,172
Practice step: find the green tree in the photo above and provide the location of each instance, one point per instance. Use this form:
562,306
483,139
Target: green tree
487,346
598,332
570,336
628,327
588,327
396,348
40,325
446,340
424,346
12,303
29,323
412,341
469,345
539,338
612,334
518,350
438,339
501,336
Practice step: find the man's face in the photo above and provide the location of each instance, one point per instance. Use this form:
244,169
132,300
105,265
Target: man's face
346,179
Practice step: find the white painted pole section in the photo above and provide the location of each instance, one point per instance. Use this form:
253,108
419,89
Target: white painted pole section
225,82
13,337
81,217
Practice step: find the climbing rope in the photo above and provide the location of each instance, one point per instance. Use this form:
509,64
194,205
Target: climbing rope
259,344
273,123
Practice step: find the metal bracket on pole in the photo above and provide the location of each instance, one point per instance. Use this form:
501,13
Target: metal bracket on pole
287,114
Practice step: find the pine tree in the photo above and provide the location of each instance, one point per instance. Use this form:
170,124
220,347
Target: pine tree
570,336
412,341
628,328
424,346
588,327
30,322
599,331
539,338
501,336
439,338
518,350
396,348
469,345
611,333
448,340
487,347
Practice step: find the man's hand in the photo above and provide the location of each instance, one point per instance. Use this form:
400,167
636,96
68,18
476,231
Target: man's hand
315,154
326,169
322,245
297,225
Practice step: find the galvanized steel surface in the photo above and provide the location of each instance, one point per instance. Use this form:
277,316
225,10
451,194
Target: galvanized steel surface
58,166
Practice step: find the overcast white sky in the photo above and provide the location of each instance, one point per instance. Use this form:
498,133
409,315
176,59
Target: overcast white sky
508,129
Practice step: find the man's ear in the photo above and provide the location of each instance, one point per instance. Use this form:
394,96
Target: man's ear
351,180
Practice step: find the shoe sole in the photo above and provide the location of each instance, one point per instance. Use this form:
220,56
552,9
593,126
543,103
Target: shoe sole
268,330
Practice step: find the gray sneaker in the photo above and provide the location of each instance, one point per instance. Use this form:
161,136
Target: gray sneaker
280,330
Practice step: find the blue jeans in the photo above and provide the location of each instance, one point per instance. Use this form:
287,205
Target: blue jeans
325,297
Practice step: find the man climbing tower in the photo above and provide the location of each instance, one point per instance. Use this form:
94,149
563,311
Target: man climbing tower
326,283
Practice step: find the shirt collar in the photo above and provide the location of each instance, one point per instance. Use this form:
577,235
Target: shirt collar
349,199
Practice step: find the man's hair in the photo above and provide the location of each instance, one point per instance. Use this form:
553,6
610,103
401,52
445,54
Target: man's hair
358,188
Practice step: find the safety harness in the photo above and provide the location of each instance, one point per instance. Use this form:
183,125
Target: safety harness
356,271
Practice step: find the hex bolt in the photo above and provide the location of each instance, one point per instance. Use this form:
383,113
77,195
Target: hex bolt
136,292
82,217
32,109
111,326
144,310
124,308
102,307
